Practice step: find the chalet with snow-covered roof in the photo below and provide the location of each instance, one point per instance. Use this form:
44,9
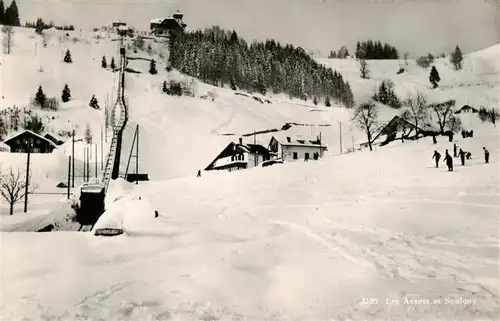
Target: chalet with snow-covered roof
466,109
400,128
18,143
118,23
56,139
240,156
292,149
164,26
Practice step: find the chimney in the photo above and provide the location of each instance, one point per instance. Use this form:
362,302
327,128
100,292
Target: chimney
241,141
288,139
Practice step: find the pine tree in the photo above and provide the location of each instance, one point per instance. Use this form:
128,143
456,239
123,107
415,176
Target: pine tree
40,97
2,13
12,15
152,67
456,58
104,64
434,77
327,102
67,57
66,94
112,65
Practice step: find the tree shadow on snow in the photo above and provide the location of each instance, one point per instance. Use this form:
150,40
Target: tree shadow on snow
161,234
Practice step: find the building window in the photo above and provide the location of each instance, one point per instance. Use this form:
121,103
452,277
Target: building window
232,158
306,156
295,156
316,156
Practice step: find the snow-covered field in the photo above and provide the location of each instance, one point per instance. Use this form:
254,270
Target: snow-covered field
377,235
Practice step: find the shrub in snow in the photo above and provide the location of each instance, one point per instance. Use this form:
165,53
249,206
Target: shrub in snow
67,57
66,94
327,102
315,101
152,67
113,65
490,115
104,64
456,58
177,88
424,62
34,123
51,104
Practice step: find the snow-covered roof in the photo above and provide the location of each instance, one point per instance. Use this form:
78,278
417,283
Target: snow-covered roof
30,132
159,20
4,147
299,141
56,136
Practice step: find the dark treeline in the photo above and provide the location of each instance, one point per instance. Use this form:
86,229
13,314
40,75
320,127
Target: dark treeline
375,50
222,58
9,16
40,25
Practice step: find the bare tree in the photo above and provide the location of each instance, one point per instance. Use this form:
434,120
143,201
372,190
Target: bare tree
416,110
365,117
445,116
8,39
407,54
363,69
13,187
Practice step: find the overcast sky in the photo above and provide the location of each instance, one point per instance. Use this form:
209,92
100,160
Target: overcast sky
416,26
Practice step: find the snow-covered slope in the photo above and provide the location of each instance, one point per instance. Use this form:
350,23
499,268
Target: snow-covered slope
303,241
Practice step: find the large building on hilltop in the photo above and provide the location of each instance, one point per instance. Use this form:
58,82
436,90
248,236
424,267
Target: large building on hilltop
164,26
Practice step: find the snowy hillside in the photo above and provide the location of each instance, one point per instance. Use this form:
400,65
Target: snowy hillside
299,241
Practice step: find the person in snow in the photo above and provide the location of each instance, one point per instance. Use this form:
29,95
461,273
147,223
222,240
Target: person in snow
455,150
486,155
461,153
449,161
434,140
199,173
468,155
450,137
156,214
436,157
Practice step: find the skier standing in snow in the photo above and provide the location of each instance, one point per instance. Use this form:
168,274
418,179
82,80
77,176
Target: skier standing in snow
199,173
486,155
434,140
461,153
449,161
437,157
454,150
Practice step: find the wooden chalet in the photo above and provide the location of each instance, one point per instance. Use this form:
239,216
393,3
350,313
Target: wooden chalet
240,156
467,109
18,143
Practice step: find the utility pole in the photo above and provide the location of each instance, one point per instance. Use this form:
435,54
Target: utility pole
73,159
320,146
340,125
69,174
101,150
256,155
353,149
28,144
84,164
95,160
88,162
137,157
